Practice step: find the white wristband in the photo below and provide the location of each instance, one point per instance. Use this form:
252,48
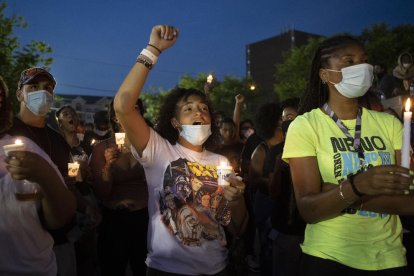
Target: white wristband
153,58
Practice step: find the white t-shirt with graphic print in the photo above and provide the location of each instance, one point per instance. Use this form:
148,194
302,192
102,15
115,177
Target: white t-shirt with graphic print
186,207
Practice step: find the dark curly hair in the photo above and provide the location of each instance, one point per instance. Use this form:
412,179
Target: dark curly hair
6,113
267,120
169,110
317,93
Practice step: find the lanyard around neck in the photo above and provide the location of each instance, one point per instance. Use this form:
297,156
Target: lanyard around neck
357,138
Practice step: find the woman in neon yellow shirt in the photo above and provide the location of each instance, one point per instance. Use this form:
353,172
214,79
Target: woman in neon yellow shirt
353,224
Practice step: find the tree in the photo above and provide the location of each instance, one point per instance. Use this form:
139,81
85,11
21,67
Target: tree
152,103
222,93
14,58
293,73
383,45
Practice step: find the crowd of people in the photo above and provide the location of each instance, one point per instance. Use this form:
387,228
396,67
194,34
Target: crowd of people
316,187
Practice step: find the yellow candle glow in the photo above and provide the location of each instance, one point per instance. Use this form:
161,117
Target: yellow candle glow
73,169
18,142
18,145
120,139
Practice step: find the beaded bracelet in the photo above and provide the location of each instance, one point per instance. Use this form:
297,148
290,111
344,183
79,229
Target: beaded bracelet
144,61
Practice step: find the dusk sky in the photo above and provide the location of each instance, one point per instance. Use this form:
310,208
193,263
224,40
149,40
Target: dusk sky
95,42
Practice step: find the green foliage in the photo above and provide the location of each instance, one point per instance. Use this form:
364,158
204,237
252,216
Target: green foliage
14,58
222,93
152,103
187,81
383,45
292,75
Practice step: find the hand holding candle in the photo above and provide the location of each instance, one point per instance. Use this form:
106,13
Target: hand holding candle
406,147
17,146
25,190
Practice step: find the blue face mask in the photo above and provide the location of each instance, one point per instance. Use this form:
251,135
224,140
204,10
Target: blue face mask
195,134
39,102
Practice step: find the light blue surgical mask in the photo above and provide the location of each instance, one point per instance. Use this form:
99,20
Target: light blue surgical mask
195,134
39,102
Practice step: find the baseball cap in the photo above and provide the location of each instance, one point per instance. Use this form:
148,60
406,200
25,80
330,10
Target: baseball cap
31,73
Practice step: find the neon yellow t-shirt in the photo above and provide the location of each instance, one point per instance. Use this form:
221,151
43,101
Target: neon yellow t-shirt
365,240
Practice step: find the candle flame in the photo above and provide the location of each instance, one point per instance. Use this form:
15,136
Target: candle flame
210,78
223,164
18,142
407,105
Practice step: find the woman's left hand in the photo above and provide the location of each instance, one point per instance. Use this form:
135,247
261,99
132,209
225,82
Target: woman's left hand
235,190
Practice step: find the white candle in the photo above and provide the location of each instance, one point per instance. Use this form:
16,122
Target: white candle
406,146
223,170
120,139
73,169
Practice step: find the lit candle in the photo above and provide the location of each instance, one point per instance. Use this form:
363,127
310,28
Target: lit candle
405,150
18,145
223,171
210,79
73,169
120,139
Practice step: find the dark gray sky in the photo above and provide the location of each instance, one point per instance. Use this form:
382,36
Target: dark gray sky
95,42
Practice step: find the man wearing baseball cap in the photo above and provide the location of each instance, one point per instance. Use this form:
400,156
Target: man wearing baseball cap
35,93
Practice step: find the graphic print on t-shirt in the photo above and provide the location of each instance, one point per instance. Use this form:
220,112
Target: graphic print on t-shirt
346,160
192,204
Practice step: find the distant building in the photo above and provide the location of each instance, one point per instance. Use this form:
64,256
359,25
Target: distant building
86,106
262,57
